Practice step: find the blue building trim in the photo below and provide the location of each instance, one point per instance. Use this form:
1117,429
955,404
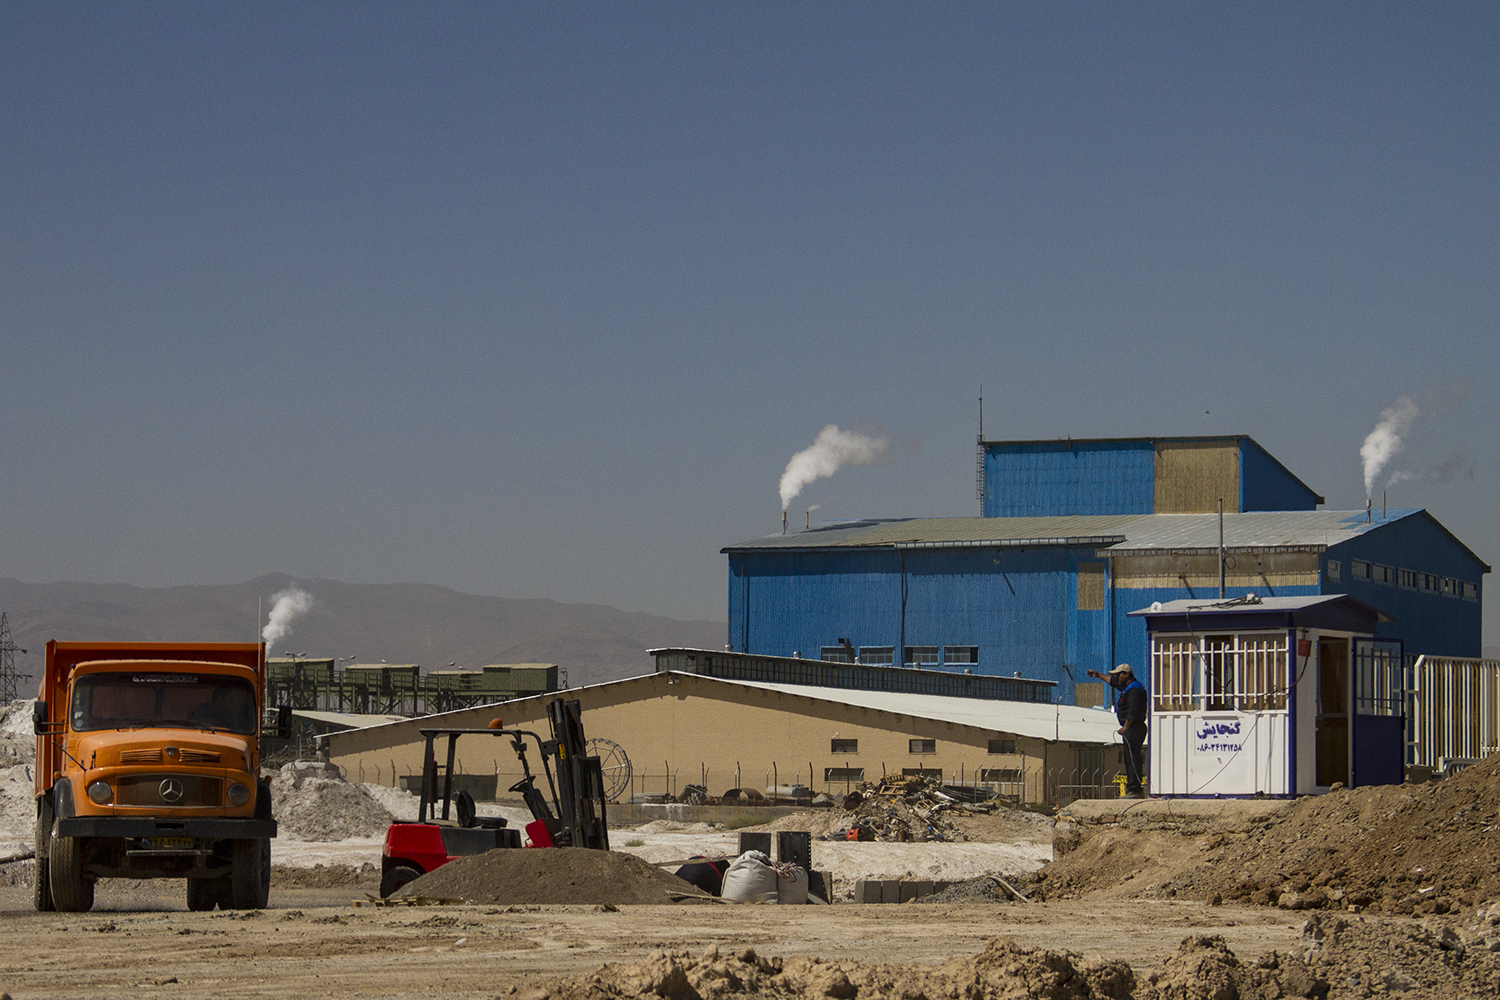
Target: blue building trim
1266,484
1046,478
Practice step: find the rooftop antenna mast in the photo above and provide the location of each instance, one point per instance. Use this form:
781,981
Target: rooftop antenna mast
979,455
8,678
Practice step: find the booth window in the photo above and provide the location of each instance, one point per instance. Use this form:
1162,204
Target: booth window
1245,672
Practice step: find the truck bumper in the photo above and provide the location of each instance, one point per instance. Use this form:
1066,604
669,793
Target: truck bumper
207,828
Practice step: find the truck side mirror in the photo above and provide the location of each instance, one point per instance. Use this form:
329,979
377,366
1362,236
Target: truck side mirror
39,718
284,722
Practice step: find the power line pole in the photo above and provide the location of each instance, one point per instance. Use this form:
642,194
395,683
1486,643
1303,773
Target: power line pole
9,681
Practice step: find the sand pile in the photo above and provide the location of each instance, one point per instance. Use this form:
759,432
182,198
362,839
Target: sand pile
17,805
322,806
1338,957
1002,971
551,875
17,741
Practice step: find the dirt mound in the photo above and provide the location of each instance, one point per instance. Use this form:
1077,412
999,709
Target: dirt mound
1002,971
552,875
1402,849
17,742
324,807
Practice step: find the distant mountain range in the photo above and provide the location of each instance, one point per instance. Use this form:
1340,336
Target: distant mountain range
398,623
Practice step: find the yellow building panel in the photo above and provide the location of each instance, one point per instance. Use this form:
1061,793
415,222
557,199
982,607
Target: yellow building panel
1201,572
1193,476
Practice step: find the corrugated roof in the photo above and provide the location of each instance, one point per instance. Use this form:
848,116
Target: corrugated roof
1112,534
1023,718
954,532
1041,721
1295,603
1308,530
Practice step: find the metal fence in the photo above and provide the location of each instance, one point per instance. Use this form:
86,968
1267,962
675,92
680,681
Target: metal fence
1453,711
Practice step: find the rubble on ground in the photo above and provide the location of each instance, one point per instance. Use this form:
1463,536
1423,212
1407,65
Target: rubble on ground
903,808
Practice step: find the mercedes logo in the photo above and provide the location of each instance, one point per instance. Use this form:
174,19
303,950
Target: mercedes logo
170,789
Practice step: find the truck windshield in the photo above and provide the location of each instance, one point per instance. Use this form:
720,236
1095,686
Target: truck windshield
186,701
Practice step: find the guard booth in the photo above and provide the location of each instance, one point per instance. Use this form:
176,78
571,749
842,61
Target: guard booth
1275,696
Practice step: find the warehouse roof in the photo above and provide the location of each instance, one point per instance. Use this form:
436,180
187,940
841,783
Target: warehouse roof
1111,534
1041,721
1022,718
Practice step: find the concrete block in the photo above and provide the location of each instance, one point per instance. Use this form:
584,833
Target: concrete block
908,891
890,891
924,888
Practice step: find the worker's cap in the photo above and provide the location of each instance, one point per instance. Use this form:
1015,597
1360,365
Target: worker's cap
1123,668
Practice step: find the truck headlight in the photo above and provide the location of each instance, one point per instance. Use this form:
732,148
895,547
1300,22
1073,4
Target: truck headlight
100,793
238,794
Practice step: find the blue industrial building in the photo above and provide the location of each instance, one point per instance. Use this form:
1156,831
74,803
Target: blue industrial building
1076,535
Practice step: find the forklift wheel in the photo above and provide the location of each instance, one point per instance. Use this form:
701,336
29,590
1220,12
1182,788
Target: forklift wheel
463,803
396,877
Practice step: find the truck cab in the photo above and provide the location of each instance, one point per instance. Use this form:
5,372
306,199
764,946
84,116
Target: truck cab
148,763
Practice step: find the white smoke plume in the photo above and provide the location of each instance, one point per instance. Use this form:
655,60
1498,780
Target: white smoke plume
1384,442
287,605
833,449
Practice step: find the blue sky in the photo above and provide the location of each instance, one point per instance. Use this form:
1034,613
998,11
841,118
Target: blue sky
538,300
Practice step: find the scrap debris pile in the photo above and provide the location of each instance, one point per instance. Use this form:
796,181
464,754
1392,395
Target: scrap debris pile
903,808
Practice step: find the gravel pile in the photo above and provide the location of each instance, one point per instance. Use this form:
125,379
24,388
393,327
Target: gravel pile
321,806
554,875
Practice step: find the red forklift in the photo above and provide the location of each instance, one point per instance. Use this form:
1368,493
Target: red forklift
573,818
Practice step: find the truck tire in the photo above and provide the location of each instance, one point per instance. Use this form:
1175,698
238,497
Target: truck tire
41,878
250,874
206,893
72,890
396,877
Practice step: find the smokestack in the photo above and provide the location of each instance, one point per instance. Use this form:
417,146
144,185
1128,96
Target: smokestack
783,522
1383,507
807,520
1367,511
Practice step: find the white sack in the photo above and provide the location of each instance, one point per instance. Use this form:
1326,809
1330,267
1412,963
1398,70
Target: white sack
751,879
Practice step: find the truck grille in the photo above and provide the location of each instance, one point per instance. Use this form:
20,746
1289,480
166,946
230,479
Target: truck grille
140,756
199,757
170,790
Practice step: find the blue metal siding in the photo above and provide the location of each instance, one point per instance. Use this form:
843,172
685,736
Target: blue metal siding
1426,622
1041,479
1265,485
1018,606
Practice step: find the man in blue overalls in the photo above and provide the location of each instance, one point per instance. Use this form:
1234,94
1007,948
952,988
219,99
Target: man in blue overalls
1130,709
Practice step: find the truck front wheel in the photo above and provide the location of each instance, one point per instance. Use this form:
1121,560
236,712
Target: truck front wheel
250,874
41,880
206,893
72,890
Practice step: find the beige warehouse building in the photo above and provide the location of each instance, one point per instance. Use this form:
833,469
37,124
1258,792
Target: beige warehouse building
682,728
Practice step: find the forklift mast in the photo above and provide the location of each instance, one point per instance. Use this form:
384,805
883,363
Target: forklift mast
580,778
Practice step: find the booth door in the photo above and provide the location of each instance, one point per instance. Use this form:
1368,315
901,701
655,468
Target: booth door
1378,748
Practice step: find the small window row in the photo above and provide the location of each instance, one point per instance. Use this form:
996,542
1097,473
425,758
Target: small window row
1406,579
847,746
916,656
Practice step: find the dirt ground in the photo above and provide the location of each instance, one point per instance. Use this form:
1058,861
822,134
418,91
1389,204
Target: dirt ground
1369,893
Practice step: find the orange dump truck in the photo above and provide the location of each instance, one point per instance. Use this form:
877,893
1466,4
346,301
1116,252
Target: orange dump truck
148,766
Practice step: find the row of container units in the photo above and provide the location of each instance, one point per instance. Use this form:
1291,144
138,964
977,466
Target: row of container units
398,688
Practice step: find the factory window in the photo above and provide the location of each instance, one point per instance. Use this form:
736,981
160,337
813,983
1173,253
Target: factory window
844,746
1381,574
1002,746
1359,569
960,654
1406,578
880,656
921,656
845,774
1431,583
921,746
1471,591
837,654
1001,775
1450,587
1333,570
935,773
